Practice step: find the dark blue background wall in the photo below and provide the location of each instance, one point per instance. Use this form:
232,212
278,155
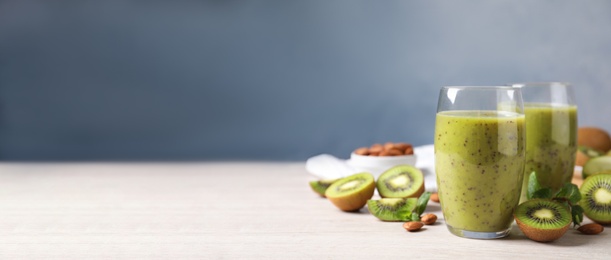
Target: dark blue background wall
273,80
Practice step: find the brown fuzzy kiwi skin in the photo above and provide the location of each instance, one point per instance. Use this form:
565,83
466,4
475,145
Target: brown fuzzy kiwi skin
356,201
581,158
594,137
414,195
542,235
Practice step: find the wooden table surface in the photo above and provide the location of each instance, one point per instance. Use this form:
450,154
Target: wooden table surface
229,210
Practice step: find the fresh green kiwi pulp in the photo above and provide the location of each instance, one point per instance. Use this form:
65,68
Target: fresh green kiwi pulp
596,198
351,193
392,209
320,186
589,151
542,220
402,181
596,165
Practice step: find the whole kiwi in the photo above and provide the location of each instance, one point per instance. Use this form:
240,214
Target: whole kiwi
594,137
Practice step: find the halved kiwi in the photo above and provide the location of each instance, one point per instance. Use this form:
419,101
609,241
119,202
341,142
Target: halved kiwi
351,193
542,220
392,209
596,166
320,186
596,198
585,153
402,181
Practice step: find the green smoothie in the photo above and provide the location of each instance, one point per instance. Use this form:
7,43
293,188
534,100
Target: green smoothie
551,137
479,161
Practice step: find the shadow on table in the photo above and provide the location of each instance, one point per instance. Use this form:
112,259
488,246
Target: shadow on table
571,238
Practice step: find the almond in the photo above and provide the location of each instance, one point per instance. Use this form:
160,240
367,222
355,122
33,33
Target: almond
591,229
402,146
413,226
362,151
394,152
435,197
409,151
389,145
376,148
429,219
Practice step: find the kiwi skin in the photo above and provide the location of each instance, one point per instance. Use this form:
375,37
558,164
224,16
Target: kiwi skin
542,233
352,200
594,137
320,186
588,190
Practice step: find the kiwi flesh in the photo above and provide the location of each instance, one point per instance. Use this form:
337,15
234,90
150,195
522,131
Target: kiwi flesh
392,209
596,165
320,186
596,198
542,220
585,153
351,193
401,181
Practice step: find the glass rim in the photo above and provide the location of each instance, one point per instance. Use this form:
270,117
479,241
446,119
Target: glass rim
500,87
539,84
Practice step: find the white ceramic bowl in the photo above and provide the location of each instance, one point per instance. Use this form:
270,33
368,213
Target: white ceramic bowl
376,165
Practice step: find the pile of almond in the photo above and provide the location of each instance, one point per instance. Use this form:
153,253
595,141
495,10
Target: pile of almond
388,149
428,219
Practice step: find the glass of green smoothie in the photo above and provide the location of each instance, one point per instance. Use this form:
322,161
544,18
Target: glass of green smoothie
479,158
551,133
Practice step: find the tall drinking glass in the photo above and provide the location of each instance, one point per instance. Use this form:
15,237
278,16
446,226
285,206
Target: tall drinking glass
479,158
551,133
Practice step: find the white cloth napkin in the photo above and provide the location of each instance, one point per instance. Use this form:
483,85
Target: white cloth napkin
325,166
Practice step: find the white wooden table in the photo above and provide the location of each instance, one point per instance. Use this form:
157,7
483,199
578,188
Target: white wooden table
221,211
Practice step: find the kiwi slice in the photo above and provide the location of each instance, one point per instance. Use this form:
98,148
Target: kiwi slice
392,209
320,186
351,193
596,166
543,220
596,198
402,181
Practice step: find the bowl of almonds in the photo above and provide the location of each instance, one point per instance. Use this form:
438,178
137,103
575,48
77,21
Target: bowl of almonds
378,158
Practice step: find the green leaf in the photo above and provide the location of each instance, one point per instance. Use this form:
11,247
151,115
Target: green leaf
533,185
577,213
545,193
569,192
415,216
574,194
422,202
404,215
